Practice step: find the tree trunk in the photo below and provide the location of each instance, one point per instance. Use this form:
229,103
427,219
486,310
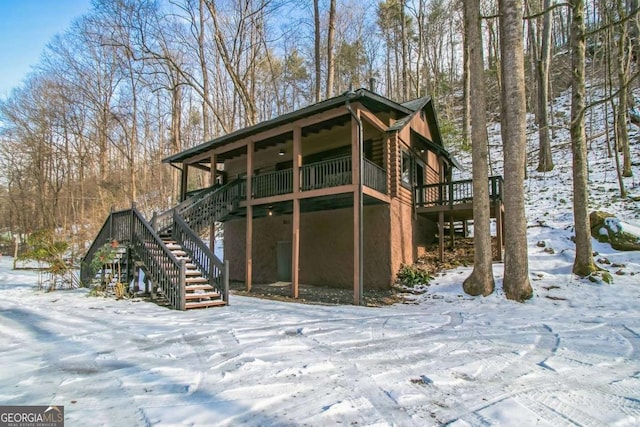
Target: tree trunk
624,53
545,160
516,266
583,264
316,20
206,121
330,57
481,281
466,78
405,52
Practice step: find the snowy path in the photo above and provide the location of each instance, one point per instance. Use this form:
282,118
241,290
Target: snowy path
446,359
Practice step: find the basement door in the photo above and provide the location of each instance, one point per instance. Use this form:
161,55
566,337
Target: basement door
284,259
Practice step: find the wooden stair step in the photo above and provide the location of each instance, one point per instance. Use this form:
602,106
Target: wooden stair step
192,272
179,253
202,287
196,280
203,304
203,295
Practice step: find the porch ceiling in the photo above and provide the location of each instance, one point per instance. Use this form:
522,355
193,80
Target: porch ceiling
314,204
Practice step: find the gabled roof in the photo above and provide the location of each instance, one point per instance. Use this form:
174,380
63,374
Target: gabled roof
369,99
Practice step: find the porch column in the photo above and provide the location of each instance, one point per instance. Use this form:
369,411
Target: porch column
356,164
441,213
212,181
249,249
295,235
184,179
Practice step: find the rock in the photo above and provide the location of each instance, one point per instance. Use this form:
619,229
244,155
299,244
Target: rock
541,244
609,229
596,219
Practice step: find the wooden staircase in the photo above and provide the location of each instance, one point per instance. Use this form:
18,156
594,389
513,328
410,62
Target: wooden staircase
198,292
169,250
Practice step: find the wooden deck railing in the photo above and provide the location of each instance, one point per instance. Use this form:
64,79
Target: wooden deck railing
117,227
375,177
272,183
454,193
325,174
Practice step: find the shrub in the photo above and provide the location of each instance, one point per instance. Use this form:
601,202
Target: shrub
410,276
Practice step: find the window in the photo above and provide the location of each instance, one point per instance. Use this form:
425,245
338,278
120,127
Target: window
405,169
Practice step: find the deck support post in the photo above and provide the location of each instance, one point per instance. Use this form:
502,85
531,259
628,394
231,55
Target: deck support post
295,249
295,235
149,287
452,233
249,248
441,235
136,278
212,181
225,292
184,181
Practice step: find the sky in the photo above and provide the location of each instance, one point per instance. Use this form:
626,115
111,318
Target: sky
26,26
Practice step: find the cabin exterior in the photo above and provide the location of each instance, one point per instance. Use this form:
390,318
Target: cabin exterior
340,193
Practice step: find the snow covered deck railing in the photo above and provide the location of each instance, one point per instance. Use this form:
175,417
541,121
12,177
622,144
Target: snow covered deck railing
454,193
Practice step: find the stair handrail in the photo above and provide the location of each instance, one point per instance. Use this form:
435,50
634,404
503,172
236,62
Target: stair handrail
209,265
162,221
163,267
213,206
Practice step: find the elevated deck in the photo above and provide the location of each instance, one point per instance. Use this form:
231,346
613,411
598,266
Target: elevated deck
453,201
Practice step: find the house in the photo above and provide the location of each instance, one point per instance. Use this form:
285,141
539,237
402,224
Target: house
340,193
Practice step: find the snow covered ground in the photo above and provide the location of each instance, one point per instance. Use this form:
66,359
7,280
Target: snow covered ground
569,356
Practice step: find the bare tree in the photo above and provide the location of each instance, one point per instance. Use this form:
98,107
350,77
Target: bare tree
316,44
330,50
545,160
583,264
480,282
516,265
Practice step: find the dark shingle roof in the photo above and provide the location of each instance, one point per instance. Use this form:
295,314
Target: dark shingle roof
370,99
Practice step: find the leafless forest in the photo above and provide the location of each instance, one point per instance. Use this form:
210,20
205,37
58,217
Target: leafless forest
133,81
